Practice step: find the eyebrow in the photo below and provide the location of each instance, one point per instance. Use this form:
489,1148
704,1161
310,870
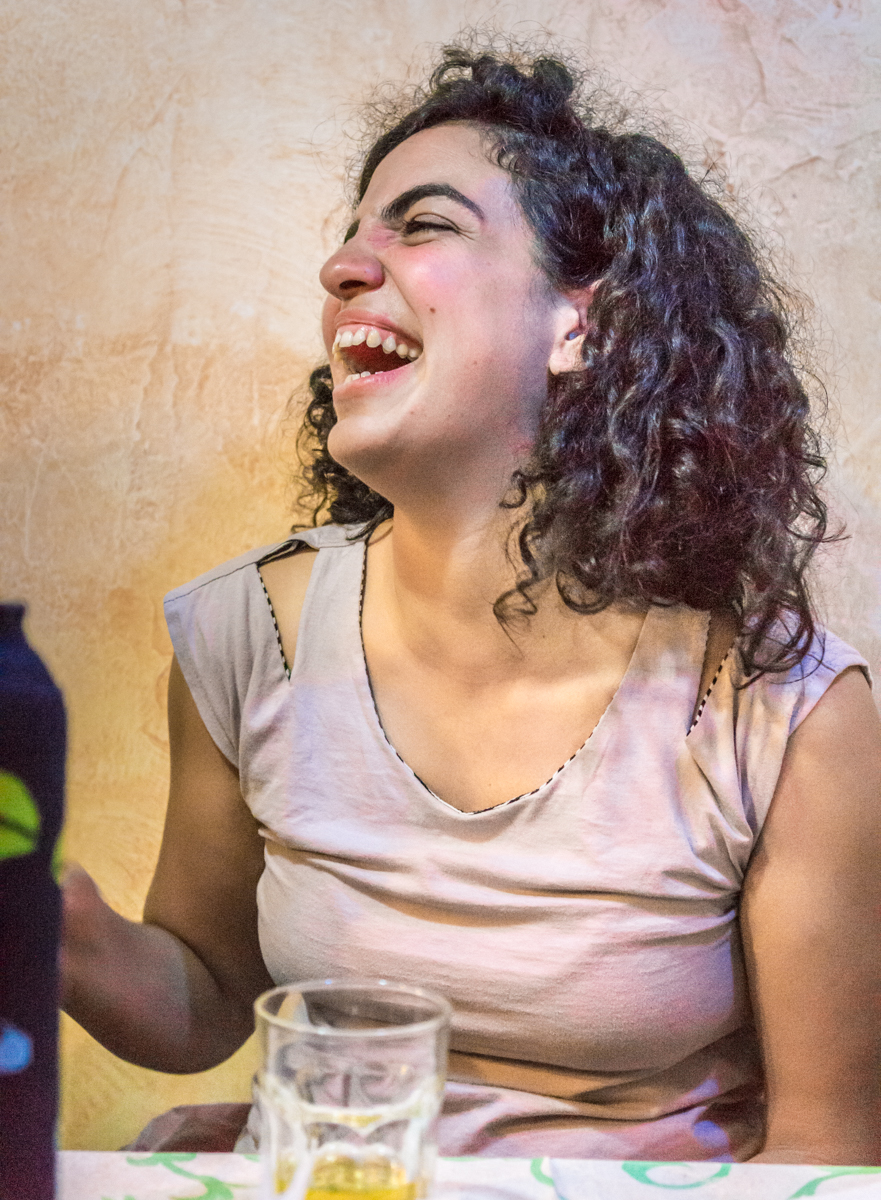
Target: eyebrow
394,211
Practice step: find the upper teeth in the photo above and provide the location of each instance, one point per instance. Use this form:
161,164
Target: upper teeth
373,337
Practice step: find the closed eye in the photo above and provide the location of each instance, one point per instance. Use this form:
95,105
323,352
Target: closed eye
419,225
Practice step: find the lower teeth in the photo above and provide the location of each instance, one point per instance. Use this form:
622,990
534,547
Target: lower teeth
362,375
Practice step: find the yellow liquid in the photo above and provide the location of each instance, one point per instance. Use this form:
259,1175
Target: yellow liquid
342,1178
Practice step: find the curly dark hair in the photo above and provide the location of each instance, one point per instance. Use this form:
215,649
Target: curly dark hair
679,466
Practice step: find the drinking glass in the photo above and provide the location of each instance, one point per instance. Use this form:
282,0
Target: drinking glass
349,1089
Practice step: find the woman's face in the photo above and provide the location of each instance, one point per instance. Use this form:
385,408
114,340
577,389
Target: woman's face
436,293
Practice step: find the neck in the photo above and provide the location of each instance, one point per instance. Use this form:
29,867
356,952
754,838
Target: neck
431,587
455,566
446,549
435,582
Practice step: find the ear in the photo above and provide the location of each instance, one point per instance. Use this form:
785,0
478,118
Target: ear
571,327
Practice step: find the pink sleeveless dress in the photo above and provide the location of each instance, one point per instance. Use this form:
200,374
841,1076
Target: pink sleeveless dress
586,933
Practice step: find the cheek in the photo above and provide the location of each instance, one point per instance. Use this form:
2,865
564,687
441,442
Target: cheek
329,313
430,285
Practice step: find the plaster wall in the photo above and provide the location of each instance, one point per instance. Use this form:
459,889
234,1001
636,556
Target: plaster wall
171,181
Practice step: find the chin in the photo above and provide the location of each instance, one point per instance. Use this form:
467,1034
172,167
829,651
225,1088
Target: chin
366,453
396,470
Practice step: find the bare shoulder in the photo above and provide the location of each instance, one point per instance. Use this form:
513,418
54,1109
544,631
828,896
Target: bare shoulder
810,923
826,810
286,581
833,758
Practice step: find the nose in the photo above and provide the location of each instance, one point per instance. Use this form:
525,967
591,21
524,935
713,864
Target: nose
350,271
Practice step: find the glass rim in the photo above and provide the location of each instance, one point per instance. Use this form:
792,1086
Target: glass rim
359,983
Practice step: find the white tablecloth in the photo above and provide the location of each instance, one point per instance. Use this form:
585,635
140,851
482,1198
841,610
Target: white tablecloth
84,1175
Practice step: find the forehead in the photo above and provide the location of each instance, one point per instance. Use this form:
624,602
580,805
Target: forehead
456,154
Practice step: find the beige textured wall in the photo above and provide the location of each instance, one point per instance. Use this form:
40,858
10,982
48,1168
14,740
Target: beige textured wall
167,175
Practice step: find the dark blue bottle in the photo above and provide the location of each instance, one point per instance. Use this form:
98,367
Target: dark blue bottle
32,754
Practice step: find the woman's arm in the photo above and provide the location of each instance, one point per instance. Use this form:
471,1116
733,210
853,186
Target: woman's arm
175,993
811,921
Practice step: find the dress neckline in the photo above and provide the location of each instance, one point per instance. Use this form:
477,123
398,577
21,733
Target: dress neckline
625,684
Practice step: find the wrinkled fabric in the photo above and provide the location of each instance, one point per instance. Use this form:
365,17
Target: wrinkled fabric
586,933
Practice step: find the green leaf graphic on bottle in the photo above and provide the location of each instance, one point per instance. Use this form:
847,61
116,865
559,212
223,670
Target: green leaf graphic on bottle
19,818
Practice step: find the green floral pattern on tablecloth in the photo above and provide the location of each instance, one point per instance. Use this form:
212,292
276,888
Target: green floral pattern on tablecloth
642,1173
180,1176
810,1188
777,1182
215,1189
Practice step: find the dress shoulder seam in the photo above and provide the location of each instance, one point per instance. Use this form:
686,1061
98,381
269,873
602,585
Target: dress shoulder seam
225,570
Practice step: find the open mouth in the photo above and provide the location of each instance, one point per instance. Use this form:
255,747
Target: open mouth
368,350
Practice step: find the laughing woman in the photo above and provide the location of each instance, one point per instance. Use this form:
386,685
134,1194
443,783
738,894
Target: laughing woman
540,718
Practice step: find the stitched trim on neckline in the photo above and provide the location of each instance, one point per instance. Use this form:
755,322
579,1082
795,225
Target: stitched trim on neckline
287,669
287,549
708,692
476,812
